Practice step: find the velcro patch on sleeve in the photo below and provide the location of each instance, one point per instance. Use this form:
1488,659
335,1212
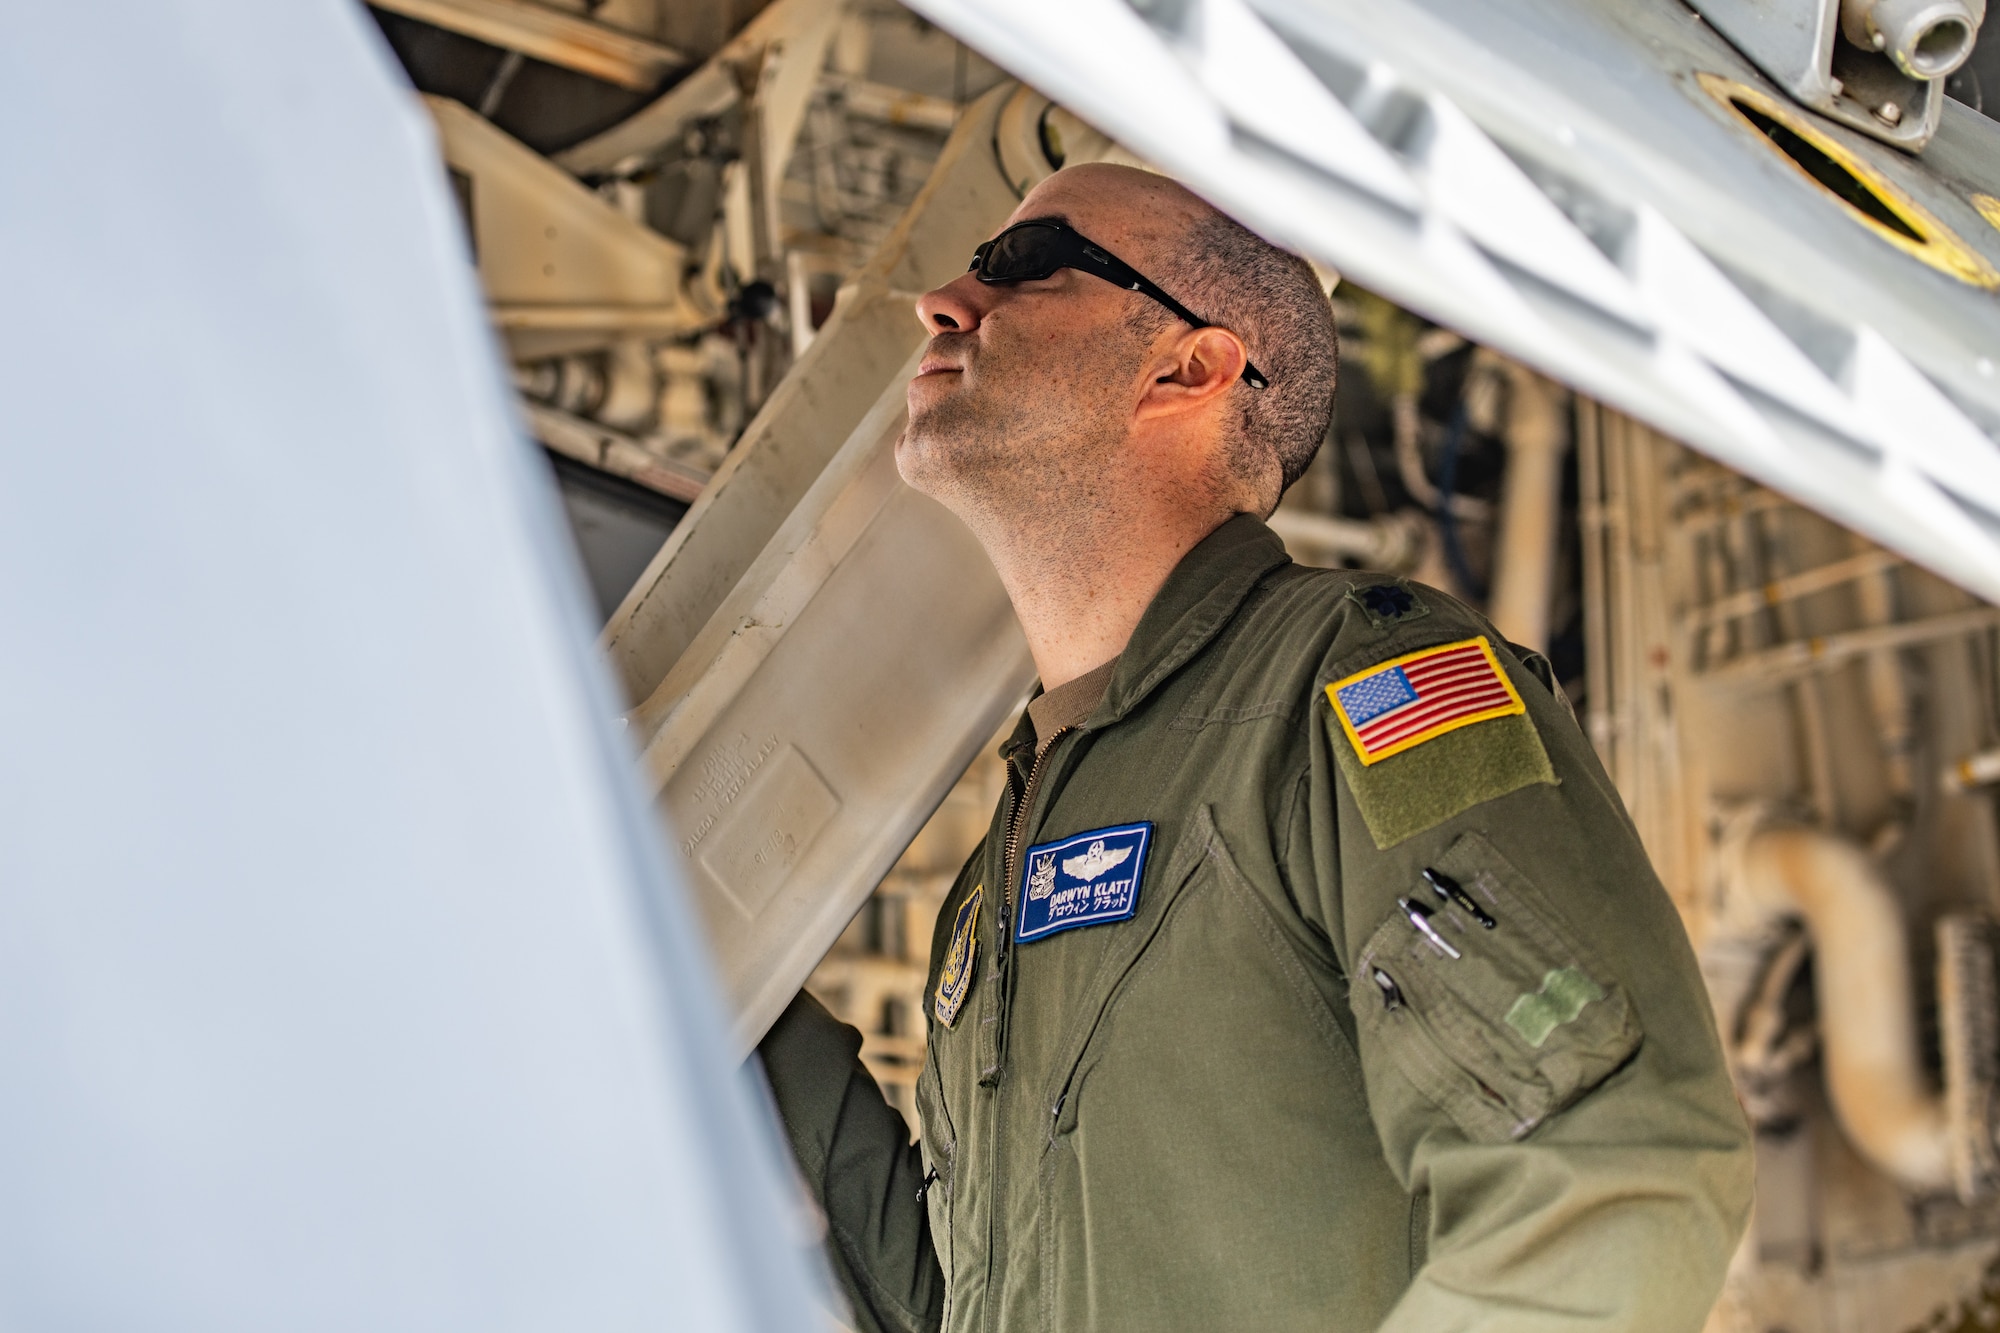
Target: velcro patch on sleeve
1427,735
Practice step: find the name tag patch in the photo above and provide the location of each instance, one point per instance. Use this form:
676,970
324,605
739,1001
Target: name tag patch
1088,880
955,977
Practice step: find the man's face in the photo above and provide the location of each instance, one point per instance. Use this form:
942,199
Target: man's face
1028,387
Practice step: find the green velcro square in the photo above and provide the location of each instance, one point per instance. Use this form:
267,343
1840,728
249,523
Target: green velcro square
1420,788
1563,994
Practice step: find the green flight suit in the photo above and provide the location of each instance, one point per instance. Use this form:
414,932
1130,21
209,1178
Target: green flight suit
1270,1099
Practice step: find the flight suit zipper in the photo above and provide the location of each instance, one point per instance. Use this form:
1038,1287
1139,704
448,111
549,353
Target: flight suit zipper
993,1032
993,1025
1016,826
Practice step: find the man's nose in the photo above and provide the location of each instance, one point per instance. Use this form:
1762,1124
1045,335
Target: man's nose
953,308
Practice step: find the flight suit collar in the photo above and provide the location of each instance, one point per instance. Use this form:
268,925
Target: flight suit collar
1200,597
1191,607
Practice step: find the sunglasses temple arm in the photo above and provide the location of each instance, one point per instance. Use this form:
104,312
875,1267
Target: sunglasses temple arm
1252,376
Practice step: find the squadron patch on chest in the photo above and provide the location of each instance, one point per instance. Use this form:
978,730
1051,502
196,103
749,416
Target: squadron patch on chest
1397,705
1087,880
955,977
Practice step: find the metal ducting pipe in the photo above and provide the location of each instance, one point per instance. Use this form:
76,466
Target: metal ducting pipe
1927,39
1867,1010
1390,542
1524,560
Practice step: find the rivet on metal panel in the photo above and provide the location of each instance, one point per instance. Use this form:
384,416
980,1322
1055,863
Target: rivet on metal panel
1877,202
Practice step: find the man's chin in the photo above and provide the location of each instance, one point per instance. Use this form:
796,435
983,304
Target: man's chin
916,458
930,457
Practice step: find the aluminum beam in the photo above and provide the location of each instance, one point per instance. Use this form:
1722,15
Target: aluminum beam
819,651
709,90
612,451
824,711
873,330
550,35
562,267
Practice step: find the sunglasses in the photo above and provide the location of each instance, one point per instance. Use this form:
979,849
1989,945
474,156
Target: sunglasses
1030,251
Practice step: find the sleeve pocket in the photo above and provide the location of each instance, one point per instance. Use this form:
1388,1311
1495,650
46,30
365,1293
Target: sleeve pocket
1520,1025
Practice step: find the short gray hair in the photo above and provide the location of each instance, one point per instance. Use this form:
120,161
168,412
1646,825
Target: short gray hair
1272,300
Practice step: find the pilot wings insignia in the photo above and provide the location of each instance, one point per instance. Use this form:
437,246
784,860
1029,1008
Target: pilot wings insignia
1042,876
1095,861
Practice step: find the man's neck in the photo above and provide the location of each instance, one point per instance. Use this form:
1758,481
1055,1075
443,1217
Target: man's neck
1080,594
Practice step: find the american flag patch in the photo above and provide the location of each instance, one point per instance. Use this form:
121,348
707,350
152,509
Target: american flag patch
1396,705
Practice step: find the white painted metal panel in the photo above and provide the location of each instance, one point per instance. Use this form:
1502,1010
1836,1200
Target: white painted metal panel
819,651
824,711
1583,205
342,985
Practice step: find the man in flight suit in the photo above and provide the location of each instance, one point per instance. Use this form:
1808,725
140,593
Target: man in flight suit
1311,975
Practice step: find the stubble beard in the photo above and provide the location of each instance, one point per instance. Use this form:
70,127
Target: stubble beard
1025,455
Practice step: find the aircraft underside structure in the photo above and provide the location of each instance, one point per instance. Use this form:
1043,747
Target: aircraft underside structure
1691,383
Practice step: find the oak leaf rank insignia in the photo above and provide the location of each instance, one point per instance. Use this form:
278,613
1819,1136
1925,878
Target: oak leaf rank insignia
1389,605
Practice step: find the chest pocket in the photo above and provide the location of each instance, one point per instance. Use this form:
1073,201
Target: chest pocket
1520,1024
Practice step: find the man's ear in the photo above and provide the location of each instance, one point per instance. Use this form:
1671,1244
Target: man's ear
1198,367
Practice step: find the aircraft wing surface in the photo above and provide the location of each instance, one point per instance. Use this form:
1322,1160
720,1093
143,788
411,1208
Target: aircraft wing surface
1609,193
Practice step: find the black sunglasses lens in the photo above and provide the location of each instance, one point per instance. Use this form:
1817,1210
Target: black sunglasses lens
1021,254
